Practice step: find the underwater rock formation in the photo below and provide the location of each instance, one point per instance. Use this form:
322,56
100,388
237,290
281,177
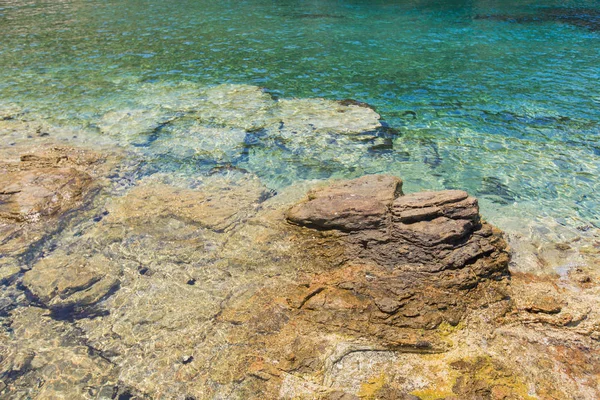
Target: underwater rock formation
48,359
200,287
243,125
39,189
68,283
31,195
241,107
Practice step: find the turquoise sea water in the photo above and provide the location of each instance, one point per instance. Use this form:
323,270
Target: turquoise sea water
501,98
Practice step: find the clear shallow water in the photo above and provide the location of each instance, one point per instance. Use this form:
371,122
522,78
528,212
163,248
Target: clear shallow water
507,108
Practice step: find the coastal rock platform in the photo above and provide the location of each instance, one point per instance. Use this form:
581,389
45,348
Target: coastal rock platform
220,288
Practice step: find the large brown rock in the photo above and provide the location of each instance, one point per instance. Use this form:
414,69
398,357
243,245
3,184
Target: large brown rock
400,281
416,260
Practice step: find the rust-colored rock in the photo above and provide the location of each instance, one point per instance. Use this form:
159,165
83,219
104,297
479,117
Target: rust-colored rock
30,195
420,259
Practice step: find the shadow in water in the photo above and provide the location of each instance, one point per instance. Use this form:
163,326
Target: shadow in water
497,191
580,17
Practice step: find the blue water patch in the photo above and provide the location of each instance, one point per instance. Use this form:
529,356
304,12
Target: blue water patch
497,97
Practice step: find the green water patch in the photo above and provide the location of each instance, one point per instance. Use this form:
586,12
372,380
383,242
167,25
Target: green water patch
499,98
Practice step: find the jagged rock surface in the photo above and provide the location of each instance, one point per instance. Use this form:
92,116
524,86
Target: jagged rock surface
375,295
426,257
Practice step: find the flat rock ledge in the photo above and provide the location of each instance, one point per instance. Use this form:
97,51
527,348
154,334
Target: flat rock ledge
413,261
41,187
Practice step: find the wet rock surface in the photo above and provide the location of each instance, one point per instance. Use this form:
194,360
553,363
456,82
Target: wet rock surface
41,187
68,283
216,287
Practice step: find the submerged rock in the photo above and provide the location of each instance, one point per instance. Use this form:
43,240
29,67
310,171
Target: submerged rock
9,111
30,195
251,108
64,282
219,204
47,359
135,125
588,18
199,128
190,139
320,115
40,188
237,106
368,293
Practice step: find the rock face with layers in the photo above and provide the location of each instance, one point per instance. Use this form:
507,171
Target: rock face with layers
409,269
356,205
417,260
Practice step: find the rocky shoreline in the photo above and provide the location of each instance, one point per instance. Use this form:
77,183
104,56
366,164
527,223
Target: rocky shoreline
119,286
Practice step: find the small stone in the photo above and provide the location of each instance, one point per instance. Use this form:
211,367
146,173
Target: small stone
387,305
543,304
